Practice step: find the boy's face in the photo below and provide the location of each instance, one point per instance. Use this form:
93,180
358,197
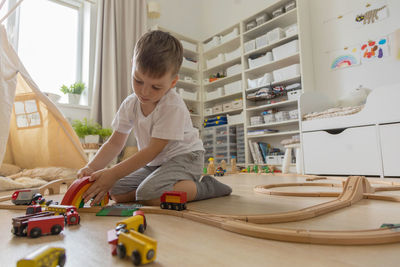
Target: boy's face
150,90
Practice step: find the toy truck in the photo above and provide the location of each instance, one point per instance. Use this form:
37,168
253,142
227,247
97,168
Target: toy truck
173,200
140,248
35,225
45,256
137,222
69,212
25,197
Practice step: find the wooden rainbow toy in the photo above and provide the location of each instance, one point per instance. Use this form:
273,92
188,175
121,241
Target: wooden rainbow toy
73,196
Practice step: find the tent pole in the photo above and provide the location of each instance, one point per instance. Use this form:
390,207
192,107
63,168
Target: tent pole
11,10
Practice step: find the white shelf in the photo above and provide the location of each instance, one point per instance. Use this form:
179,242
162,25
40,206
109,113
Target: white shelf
274,65
223,48
190,100
274,105
223,113
283,82
222,81
190,71
282,21
217,99
279,123
272,134
222,66
188,84
270,46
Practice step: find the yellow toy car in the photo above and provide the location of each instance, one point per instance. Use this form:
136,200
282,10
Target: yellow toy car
44,257
137,222
141,248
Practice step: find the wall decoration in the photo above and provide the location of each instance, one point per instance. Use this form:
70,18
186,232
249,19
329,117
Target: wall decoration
373,50
346,57
371,13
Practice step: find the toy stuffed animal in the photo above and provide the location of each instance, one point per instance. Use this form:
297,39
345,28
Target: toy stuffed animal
356,97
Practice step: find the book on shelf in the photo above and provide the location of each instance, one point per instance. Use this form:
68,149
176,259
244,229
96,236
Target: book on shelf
258,153
264,147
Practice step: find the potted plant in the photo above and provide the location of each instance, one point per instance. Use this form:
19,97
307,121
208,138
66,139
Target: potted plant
74,92
87,130
105,133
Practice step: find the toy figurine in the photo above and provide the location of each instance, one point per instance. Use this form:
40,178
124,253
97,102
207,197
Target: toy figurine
211,166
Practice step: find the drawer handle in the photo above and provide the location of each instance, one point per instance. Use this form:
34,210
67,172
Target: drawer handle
336,131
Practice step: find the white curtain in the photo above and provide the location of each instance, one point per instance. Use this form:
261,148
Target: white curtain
120,24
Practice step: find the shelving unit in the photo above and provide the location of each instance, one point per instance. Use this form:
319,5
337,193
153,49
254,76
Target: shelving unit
284,128
190,79
219,57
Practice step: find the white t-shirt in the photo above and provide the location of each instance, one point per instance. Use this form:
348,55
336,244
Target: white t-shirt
169,120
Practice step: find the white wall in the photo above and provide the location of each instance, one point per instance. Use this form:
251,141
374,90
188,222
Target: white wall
221,14
200,19
180,16
338,34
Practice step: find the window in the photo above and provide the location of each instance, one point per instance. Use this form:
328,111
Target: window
27,113
48,43
48,36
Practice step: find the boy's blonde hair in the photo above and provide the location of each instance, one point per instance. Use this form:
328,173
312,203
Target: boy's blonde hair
158,52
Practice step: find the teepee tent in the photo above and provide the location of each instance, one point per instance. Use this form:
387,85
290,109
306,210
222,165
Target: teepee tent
33,131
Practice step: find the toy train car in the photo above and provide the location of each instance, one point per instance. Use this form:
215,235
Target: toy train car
45,256
26,197
137,222
173,200
35,225
140,248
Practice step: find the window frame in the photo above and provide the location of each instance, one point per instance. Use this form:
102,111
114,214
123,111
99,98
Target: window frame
86,22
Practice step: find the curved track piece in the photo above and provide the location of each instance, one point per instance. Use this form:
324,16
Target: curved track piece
355,189
73,196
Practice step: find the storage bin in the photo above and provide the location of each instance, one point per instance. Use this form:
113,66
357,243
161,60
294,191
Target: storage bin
215,61
278,12
254,63
189,46
235,69
217,108
282,115
189,64
260,19
250,25
230,36
235,119
227,106
214,93
261,41
286,73
249,46
291,30
295,94
286,50
233,88
237,104
269,118
215,41
289,6
265,80
293,114
275,35
189,95
272,160
233,54
208,111
256,120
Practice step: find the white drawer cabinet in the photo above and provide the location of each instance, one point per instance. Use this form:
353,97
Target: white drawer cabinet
353,151
390,143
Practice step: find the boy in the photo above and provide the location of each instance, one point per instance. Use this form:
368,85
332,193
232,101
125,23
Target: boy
170,155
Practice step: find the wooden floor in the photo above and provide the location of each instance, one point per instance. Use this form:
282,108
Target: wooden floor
186,243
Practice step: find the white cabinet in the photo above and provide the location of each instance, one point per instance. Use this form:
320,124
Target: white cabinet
353,151
390,143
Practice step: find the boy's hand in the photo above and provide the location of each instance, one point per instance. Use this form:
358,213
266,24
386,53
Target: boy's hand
85,171
103,181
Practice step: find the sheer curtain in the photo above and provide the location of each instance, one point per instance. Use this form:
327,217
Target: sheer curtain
120,24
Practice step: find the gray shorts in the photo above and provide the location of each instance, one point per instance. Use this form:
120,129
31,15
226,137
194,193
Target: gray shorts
150,182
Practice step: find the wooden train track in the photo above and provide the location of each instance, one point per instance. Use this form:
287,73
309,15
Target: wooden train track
355,188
